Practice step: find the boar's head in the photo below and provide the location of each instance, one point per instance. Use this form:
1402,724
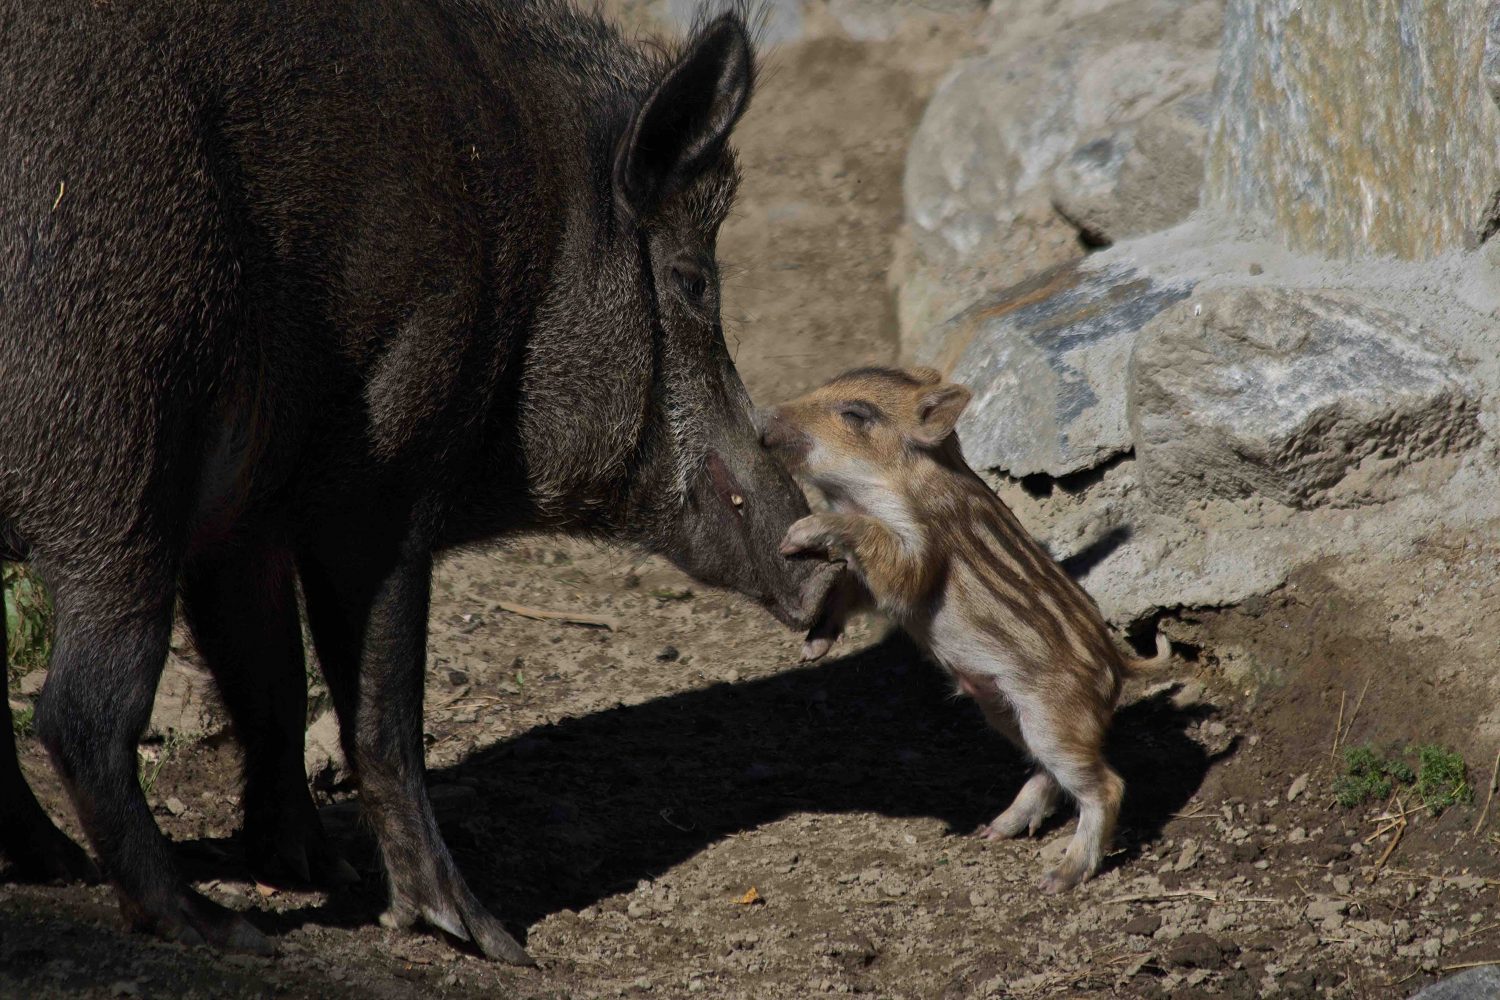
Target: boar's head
635,423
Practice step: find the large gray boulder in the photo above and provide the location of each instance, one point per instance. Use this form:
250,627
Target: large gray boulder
981,177
1047,361
1353,129
1283,393
1136,178
1472,984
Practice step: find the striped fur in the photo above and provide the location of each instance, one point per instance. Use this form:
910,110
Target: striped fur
933,547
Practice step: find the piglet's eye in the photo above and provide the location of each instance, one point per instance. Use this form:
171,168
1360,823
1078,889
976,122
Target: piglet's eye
857,417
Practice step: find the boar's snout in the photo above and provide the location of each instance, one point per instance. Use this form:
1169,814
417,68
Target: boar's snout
778,434
739,506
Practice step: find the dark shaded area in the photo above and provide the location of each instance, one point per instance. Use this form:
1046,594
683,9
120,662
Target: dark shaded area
570,813
1041,485
567,814
1085,559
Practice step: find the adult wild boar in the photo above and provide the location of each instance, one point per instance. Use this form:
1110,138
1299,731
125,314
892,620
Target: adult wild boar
303,293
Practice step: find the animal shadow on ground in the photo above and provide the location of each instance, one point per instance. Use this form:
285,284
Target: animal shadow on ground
569,813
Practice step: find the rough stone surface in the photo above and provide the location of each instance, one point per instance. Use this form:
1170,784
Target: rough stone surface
1473,984
187,702
878,20
1047,360
1136,178
323,756
1282,393
1354,129
980,175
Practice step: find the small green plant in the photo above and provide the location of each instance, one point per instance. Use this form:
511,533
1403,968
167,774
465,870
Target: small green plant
1368,776
28,618
1439,780
22,720
150,769
1442,778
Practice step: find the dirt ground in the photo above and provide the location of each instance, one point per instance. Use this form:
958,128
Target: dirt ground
616,794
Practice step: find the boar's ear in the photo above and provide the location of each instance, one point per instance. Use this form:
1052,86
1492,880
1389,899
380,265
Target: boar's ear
937,413
683,125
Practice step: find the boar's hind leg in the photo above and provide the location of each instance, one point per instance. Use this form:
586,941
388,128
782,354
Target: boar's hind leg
27,837
111,644
370,630
242,608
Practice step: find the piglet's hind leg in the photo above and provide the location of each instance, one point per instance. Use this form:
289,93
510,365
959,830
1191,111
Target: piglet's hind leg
1037,799
1071,749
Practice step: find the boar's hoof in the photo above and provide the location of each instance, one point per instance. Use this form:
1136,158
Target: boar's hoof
455,912
296,850
188,918
43,853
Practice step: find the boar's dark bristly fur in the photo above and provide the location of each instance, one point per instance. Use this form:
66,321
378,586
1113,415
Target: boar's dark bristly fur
298,295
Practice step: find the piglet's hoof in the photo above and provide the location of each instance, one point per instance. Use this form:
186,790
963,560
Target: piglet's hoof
1060,880
816,648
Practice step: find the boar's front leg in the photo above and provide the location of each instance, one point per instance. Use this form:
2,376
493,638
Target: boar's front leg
242,607
369,624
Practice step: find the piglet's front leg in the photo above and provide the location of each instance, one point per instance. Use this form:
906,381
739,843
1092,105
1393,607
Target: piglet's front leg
848,597
889,569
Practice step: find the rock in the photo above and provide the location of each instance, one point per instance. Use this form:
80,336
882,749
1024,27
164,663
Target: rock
1196,951
979,176
1047,361
1471,984
1247,851
1144,924
323,755
1324,909
187,702
1325,131
1284,393
1328,851
175,806
1136,178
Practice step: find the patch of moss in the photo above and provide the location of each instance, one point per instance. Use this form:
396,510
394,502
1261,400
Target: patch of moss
22,720
1368,775
1442,778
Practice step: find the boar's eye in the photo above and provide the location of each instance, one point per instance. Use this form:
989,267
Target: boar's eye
691,282
857,415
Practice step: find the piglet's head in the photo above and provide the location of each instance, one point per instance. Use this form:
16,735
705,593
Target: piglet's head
866,430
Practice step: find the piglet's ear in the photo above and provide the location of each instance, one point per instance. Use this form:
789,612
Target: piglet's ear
683,125
938,411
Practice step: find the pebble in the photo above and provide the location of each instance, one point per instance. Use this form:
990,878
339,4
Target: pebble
1299,785
175,805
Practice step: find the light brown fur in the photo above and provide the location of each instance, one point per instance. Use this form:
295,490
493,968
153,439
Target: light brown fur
933,547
